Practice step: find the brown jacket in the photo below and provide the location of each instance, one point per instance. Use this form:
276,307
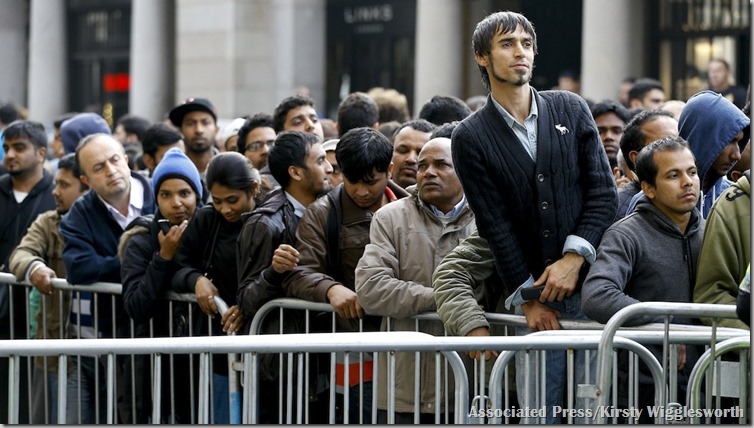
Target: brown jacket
43,243
309,280
394,279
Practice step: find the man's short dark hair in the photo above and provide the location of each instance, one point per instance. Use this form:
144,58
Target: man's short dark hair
646,167
420,125
444,131
288,104
610,106
291,149
356,110
442,109
252,123
633,138
33,131
133,125
8,113
69,162
361,152
159,135
642,87
499,22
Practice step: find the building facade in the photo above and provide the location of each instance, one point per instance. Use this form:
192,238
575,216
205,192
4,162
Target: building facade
144,56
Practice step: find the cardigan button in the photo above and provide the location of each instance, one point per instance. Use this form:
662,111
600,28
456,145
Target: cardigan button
545,205
548,262
546,233
540,177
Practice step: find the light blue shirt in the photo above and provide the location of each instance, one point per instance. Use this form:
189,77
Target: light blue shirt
527,135
452,214
298,209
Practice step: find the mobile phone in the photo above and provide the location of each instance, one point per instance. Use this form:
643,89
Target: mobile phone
164,225
531,293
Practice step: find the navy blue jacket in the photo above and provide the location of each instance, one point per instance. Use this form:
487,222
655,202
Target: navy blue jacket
91,236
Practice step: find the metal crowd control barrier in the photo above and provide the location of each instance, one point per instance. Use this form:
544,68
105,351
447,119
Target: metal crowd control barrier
98,289
700,369
252,345
666,309
583,335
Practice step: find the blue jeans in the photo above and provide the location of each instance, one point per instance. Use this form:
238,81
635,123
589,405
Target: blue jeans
353,403
89,393
221,409
555,367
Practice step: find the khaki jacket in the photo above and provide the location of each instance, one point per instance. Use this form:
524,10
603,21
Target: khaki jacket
394,279
43,243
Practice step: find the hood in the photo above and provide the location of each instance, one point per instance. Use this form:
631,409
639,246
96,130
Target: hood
138,226
661,222
709,122
744,183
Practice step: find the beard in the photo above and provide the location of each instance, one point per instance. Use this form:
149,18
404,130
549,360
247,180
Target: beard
521,80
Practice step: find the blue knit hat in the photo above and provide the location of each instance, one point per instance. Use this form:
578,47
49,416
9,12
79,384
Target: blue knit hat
78,127
175,164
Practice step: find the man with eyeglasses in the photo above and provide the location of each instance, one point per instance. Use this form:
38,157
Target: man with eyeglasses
255,139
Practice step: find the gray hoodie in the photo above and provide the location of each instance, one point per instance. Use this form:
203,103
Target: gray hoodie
642,258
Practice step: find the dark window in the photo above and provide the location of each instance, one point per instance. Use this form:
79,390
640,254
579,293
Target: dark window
99,36
369,43
689,33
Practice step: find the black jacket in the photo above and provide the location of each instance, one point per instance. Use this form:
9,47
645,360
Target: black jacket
273,223
146,277
15,220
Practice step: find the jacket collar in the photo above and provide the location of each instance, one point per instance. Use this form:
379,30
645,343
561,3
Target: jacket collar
6,184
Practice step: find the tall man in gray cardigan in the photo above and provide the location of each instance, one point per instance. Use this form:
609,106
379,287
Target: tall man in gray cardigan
538,181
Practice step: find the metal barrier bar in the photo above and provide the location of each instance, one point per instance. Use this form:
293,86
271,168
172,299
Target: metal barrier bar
645,308
697,374
679,334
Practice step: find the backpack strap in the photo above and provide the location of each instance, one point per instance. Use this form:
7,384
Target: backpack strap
334,218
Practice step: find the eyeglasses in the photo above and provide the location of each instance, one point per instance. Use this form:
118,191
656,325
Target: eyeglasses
257,145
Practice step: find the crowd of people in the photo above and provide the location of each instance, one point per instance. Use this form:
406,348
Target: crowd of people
538,203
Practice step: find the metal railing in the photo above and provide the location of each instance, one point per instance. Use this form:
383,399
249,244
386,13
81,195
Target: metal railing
585,335
665,309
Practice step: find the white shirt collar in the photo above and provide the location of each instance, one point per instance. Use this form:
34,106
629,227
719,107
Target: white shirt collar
135,205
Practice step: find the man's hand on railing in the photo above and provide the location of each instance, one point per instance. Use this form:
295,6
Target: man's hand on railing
205,291
481,331
284,259
232,320
41,278
345,302
540,317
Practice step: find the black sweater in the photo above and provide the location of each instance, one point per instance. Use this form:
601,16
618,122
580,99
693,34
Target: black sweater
524,209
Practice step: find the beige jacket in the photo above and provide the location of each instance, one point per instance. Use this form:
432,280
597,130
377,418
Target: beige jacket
394,279
43,243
